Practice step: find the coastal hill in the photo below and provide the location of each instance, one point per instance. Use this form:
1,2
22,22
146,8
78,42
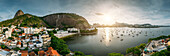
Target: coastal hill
60,20
64,20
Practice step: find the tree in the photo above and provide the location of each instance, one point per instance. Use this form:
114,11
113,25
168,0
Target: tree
59,44
54,31
65,51
16,49
10,38
141,46
168,48
162,53
5,30
133,50
36,51
78,53
3,46
115,54
26,48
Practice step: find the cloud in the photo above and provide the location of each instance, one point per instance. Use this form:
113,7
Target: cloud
127,11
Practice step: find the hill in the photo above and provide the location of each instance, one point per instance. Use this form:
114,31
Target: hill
60,20
25,20
66,20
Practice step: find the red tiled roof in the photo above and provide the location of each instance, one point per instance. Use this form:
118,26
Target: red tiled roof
32,54
18,43
25,27
51,52
6,49
23,33
41,53
24,53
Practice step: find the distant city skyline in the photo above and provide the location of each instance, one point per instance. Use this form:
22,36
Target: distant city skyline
155,12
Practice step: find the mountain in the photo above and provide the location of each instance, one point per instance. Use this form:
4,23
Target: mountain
66,20
60,20
19,13
25,20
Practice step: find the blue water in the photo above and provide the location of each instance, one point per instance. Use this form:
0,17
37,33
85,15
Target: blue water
112,39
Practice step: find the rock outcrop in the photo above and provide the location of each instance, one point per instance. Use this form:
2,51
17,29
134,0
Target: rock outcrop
62,20
19,13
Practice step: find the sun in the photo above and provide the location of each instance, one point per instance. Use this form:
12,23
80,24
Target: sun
107,19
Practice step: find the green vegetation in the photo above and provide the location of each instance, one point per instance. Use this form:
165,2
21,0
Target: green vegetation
26,48
115,54
78,53
58,44
162,53
4,47
136,50
16,49
25,20
10,38
158,38
54,31
88,31
5,30
36,51
75,16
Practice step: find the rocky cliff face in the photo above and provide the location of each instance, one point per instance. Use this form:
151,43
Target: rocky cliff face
62,20
19,13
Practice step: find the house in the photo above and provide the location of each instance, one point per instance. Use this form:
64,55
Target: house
52,52
13,53
18,44
41,53
24,44
31,45
7,34
13,26
1,37
24,53
13,45
3,52
32,54
39,44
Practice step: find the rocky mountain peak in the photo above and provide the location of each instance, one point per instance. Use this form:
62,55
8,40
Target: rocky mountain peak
19,12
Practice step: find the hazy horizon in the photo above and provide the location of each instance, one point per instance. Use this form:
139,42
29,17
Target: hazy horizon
155,12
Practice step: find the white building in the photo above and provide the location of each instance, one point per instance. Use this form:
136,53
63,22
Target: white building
72,29
7,34
3,52
62,32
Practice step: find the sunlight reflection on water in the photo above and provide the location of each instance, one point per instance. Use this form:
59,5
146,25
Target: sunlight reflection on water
107,36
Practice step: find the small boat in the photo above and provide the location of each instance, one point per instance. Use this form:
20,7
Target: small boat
118,37
121,34
121,40
137,34
109,40
100,40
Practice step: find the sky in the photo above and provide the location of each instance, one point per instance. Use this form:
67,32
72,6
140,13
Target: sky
155,12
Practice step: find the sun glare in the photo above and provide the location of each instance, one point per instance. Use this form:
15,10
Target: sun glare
107,19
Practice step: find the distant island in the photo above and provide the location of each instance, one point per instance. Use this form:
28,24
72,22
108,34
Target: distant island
117,24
